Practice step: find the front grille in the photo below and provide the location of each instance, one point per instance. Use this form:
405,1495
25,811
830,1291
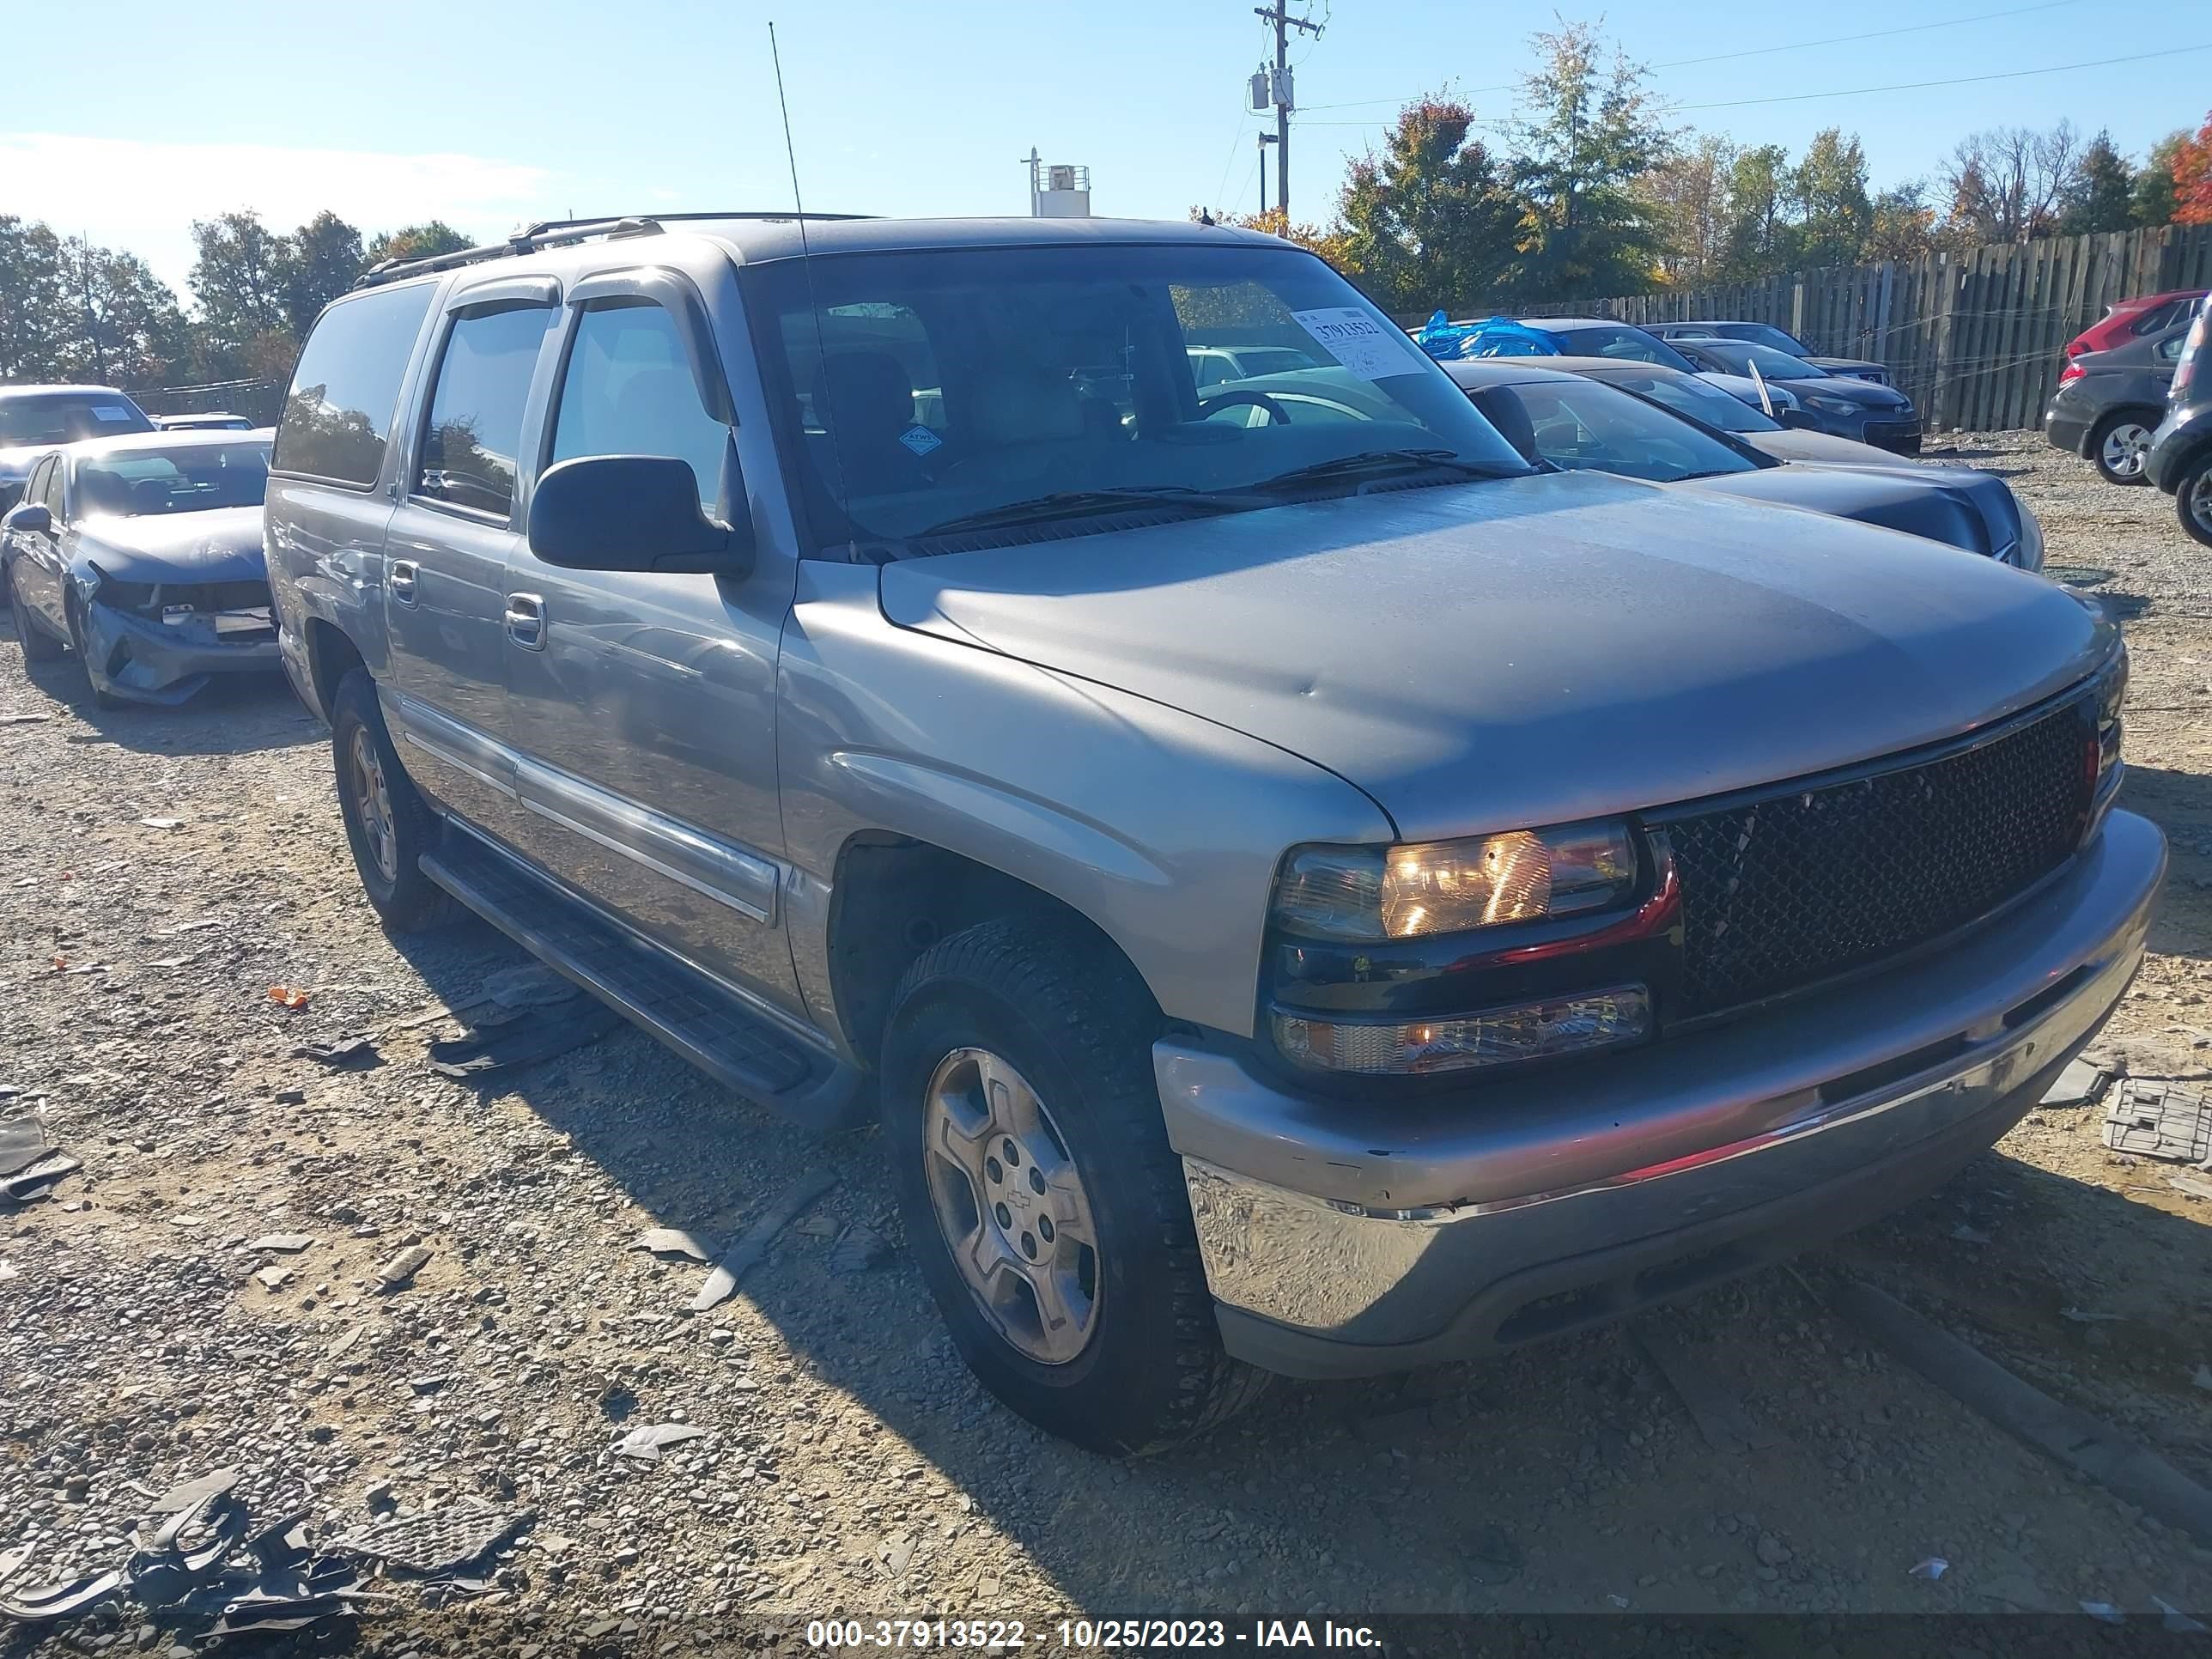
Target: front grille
1900,437
1799,886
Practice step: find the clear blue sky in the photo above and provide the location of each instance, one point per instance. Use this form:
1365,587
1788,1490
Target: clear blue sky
143,115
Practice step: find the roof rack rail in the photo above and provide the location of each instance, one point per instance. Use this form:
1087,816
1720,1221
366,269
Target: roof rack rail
557,233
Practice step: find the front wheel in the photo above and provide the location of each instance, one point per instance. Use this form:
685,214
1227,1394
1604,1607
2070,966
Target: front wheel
387,825
2118,445
1041,1201
2192,499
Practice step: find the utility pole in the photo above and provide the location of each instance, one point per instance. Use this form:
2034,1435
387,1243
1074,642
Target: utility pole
1279,15
1266,139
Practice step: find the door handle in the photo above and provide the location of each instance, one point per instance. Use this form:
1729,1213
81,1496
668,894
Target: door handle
526,621
400,579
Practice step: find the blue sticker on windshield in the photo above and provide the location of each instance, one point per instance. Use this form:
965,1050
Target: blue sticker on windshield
921,440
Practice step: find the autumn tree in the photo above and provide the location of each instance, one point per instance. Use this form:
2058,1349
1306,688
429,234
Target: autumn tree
1429,220
2191,169
1688,194
1834,210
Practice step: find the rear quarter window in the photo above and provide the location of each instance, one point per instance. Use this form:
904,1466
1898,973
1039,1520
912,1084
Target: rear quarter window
338,414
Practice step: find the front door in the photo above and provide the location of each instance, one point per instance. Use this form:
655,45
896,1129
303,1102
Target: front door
644,710
448,545
37,565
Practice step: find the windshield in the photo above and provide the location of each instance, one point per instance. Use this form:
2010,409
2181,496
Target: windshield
180,480
1736,358
922,389
1580,424
1619,341
1761,334
63,417
1701,400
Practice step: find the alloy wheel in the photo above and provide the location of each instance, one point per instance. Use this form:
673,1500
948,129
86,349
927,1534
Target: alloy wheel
2199,497
2124,446
373,800
1012,1206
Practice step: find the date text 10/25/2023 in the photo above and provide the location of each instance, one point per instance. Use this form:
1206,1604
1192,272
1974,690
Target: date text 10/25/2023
1085,1635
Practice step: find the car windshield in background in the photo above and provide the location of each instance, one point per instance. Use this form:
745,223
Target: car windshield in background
1701,400
185,479
1584,425
65,417
1736,358
1759,334
1632,345
925,391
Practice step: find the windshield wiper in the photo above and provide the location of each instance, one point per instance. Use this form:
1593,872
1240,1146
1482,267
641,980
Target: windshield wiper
1076,503
1381,461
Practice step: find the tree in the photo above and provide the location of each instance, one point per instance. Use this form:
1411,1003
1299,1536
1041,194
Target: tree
2191,169
2006,182
130,329
2101,196
1589,132
1687,195
1903,225
238,280
2154,199
423,241
319,262
1830,188
31,285
1429,221
1761,241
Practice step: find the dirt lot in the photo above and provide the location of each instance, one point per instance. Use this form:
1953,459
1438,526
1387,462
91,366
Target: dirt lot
849,1465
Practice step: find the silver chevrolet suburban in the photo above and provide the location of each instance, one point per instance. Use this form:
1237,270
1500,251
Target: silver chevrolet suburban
1306,892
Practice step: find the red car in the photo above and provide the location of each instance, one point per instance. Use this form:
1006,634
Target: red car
2132,319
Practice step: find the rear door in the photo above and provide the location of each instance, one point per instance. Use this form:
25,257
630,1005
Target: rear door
450,539
644,704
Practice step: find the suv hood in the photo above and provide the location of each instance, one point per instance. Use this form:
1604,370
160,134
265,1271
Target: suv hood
220,545
1965,509
1530,651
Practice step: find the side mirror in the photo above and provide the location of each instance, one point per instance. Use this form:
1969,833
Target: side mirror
632,512
32,516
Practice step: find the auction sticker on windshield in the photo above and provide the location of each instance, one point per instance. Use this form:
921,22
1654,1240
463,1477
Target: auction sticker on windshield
1368,348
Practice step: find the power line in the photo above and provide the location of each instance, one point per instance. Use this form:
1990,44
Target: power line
1756,52
1956,80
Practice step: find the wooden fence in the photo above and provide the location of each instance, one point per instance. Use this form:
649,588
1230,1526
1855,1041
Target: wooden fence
1973,338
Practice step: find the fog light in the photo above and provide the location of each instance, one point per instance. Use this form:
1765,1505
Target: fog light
1527,1030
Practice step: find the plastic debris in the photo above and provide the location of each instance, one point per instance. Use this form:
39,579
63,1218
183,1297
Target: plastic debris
673,1241
860,1249
434,1540
1934,1567
752,1246
288,996
43,1607
22,1143
645,1443
37,1179
2103,1610
2077,1085
2195,1186
531,985
2152,1118
2173,1619
347,1054
163,823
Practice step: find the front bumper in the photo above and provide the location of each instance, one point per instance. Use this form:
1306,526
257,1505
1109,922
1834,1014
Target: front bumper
143,660
1344,1239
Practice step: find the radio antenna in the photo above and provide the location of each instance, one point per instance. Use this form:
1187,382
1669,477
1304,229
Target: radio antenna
813,304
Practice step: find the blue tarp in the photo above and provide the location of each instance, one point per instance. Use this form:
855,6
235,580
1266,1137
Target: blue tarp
1493,336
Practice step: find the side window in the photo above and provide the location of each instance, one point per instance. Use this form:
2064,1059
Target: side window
629,391
51,492
474,430
338,415
2169,349
34,487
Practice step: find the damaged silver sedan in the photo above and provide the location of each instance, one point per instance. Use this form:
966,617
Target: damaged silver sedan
143,555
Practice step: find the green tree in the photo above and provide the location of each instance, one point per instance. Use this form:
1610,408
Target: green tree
1902,225
2154,202
1687,196
2101,196
423,241
1761,241
1429,221
33,283
1588,132
319,262
238,280
1835,212
126,327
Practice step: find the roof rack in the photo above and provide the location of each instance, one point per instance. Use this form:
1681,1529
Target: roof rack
561,233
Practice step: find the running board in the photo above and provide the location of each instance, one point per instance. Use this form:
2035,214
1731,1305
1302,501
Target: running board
686,1009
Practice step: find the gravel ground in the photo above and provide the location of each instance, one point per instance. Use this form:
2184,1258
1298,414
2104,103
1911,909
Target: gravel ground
159,872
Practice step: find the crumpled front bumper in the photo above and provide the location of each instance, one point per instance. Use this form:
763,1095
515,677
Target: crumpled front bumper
144,660
1345,1237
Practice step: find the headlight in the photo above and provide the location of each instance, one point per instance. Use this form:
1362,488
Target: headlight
2111,693
1529,1030
1831,405
1375,893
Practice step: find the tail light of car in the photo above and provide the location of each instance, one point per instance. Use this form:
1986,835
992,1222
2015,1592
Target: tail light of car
2192,351
2070,373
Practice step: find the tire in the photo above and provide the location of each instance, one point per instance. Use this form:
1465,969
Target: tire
389,833
39,645
2117,446
101,699
2192,499
1056,1017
